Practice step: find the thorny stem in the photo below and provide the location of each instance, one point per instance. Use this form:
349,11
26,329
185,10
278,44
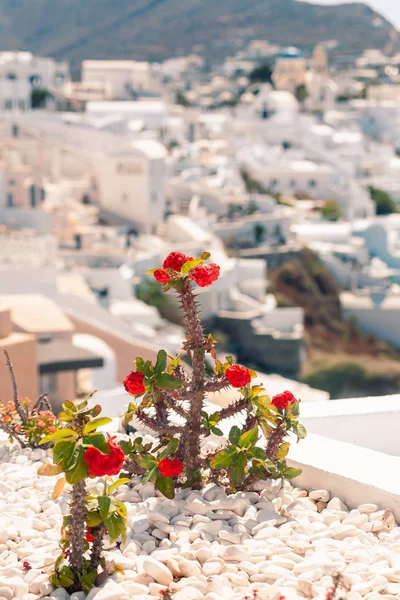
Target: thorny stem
22,414
190,441
78,525
97,545
275,441
153,424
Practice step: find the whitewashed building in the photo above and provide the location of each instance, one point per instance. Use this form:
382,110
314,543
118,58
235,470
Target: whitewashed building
127,78
22,72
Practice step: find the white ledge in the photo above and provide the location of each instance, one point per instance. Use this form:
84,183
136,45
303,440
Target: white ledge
356,475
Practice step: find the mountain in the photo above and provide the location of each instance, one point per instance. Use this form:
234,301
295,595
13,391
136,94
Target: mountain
156,29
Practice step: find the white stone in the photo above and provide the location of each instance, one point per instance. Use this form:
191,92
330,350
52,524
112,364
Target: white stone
319,495
157,570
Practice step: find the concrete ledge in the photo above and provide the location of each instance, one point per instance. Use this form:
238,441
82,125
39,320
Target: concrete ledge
356,475
371,422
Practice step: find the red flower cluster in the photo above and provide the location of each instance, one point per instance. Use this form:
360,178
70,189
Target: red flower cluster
161,276
175,261
283,400
134,383
170,467
100,464
238,376
205,275
89,535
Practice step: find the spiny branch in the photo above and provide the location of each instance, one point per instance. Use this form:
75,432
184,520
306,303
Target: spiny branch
41,402
172,403
216,385
22,414
152,423
233,409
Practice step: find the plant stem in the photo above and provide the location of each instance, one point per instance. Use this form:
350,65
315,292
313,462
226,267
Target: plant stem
78,525
97,545
275,441
22,414
196,345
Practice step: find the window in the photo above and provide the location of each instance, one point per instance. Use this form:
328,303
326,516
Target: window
154,198
312,183
11,76
32,194
10,200
21,104
274,182
292,183
48,383
35,80
8,104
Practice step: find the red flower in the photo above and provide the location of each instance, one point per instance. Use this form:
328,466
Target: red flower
26,565
161,276
238,376
175,261
170,467
205,275
133,383
89,536
100,464
283,400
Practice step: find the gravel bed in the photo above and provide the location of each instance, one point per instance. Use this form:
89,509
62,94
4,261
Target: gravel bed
277,541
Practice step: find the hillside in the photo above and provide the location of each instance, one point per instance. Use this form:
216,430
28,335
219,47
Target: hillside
156,29
341,359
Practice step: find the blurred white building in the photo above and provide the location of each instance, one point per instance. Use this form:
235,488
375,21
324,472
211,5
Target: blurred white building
22,72
127,78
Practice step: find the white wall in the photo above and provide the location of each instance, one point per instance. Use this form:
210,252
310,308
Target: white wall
368,422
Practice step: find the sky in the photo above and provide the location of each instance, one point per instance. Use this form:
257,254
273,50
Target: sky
388,8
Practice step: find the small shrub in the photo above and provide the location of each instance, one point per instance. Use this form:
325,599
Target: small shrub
165,389
81,453
22,420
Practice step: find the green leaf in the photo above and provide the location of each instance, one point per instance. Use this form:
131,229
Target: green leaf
166,486
169,449
93,518
236,471
79,471
249,438
234,435
95,423
150,474
73,457
168,382
161,362
225,458
60,433
65,581
98,441
62,450
217,431
296,408
70,406
104,506
146,461
257,453
301,431
151,271
283,451
117,484
190,264
114,526
291,473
